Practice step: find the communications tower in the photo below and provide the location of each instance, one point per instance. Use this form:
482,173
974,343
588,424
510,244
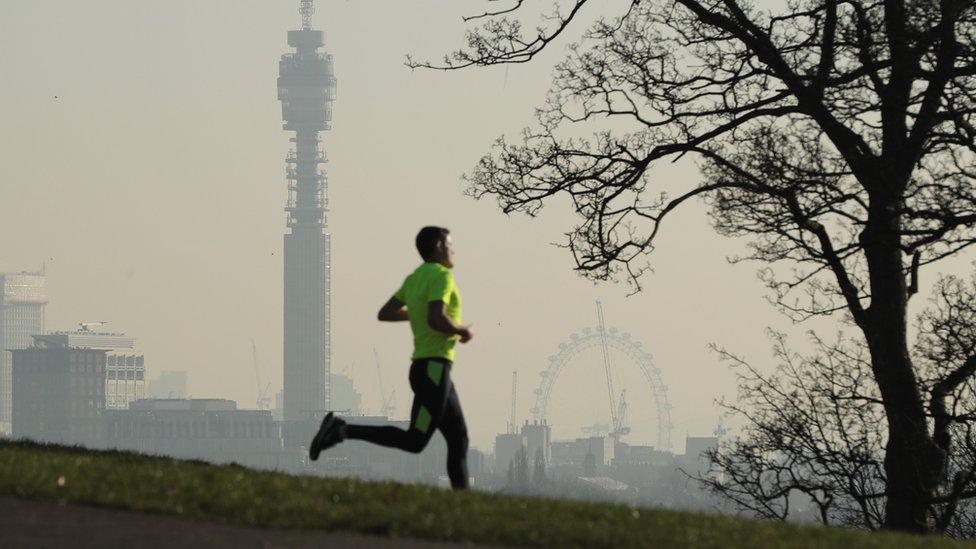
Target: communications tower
306,89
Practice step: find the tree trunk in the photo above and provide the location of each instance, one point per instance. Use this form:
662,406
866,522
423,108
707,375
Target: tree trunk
913,461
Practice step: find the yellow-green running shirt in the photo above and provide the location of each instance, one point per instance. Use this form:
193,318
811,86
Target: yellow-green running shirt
430,282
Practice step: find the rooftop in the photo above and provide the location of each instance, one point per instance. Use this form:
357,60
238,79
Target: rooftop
185,404
85,339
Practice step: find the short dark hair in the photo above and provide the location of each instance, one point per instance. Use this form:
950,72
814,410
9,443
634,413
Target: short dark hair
427,240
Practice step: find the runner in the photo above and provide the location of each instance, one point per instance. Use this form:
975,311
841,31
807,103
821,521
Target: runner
430,301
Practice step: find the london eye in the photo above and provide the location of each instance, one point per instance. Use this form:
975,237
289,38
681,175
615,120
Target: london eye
606,340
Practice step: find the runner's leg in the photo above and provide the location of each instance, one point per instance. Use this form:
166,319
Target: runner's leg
455,433
428,405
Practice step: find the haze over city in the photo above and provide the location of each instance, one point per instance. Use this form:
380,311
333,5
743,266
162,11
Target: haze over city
144,171
715,258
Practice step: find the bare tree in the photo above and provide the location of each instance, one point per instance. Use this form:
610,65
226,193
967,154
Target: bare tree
814,429
837,134
817,427
518,472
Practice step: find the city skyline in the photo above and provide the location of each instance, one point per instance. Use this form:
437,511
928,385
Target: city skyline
715,256
165,226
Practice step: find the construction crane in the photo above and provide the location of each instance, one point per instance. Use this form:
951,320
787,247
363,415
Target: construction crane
605,347
512,426
720,429
388,408
264,396
620,427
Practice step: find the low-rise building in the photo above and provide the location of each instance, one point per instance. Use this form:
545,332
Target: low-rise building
507,448
345,398
595,451
538,440
208,429
169,384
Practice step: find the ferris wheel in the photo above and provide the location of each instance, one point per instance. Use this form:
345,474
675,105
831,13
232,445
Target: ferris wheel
606,339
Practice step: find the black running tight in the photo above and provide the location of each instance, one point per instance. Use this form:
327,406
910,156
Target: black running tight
435,407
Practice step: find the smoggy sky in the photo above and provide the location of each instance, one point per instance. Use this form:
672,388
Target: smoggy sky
143,162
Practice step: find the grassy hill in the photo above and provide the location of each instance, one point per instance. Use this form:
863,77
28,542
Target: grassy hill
236,495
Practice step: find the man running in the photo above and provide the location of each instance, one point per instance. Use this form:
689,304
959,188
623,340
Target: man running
430,300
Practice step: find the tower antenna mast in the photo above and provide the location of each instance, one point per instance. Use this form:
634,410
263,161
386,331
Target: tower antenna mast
387,409
306,8
512,426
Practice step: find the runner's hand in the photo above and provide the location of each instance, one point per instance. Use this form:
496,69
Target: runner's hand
466,333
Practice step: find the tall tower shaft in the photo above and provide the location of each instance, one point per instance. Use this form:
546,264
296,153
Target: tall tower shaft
306,89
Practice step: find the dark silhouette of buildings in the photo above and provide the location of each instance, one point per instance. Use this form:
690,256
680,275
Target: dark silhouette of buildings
210,429
58,393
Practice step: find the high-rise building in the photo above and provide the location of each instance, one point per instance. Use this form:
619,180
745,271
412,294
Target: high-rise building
306,89
22,299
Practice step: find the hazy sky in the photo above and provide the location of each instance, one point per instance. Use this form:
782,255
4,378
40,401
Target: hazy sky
143,163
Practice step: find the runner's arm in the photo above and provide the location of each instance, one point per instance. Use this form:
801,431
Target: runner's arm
438,320
393,310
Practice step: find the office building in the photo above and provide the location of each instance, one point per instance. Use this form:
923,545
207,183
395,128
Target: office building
125,380
22,300
58,393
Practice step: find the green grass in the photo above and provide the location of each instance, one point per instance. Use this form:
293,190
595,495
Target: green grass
241,496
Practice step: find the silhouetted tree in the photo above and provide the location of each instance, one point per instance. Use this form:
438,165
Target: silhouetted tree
817,426
518,472
510,477
838,135
522,468
539,469
589,464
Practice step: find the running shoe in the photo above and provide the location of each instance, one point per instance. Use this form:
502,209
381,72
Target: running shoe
327,437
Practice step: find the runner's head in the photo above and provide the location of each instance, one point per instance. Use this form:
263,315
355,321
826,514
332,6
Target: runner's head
434,245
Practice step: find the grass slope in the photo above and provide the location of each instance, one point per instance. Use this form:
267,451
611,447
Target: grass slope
241,496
